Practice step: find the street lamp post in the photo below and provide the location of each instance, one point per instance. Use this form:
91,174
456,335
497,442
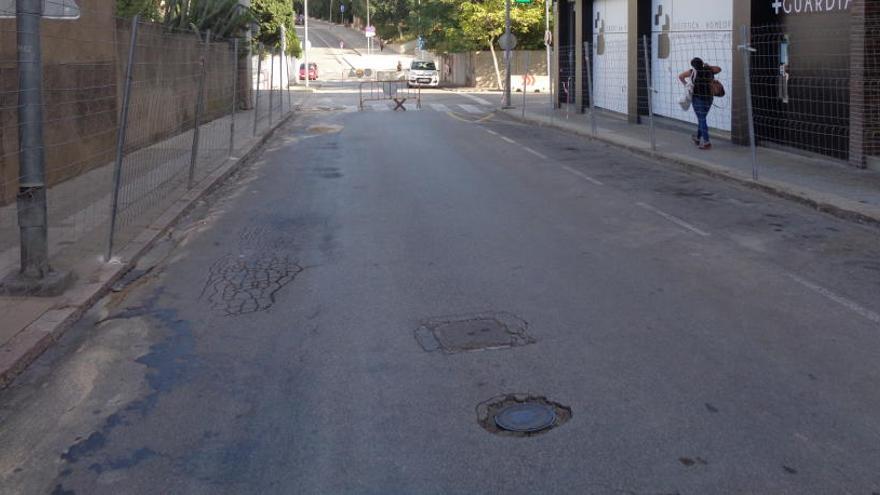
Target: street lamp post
369,40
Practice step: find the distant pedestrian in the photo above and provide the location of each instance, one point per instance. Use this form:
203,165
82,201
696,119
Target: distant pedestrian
381,45
701,79
341,44
399,66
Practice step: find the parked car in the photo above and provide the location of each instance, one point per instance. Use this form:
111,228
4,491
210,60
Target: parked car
313,71
423,73
300,20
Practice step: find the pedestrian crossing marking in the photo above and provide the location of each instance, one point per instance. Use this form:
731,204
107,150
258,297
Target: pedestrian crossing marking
471,108
439,107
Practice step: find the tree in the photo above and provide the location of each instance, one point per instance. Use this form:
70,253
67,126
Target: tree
483,21
271,15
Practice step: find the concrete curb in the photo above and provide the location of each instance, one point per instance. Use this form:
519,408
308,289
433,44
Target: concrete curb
828,203
27,345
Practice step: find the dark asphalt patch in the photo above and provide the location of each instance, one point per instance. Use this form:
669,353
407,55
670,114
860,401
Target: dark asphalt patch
453,334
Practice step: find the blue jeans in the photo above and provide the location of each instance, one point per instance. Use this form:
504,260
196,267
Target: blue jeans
701,108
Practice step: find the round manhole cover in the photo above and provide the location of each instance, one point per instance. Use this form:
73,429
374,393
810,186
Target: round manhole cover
525,418
521,415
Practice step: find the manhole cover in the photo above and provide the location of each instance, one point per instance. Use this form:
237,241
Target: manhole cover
527,417
521,415
473,332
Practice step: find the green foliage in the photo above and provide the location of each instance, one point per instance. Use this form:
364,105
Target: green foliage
224,18
447,25
148,9
483,22
271,15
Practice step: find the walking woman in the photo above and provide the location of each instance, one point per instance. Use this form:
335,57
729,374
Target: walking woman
701,76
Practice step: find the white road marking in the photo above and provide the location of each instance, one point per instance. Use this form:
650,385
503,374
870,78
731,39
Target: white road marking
511,141
477,99
380,107
439,107
471,108
851,305
350,108
582,175
490,131
539,155
674,219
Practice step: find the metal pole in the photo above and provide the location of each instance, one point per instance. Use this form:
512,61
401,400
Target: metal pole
281,68
200,103
747,51
306,42
507,54
650,85
525,85
272,83
120,136
369,40
589,55
234,95
547,49
257,96
287,67
32,215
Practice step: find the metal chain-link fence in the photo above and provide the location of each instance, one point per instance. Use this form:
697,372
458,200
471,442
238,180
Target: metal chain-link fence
133,115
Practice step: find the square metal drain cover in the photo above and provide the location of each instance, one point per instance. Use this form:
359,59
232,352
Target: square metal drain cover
473,332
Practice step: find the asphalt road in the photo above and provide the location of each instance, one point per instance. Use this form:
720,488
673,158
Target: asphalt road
707,339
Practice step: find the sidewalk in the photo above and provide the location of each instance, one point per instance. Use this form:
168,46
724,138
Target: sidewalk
79,210
824,184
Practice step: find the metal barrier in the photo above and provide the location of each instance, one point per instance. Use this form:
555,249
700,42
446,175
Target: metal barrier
397,91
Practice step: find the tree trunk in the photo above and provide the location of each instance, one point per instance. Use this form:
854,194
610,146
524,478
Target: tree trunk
495,61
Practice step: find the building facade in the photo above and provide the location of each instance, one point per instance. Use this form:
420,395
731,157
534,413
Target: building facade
812,68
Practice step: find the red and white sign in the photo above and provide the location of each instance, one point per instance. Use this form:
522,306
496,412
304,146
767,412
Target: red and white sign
370,31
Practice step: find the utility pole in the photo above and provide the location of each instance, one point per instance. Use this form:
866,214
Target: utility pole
369,40
507,54
35,277
306,42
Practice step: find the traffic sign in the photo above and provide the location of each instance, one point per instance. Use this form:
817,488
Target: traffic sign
52,9
507,41
370,31
342,7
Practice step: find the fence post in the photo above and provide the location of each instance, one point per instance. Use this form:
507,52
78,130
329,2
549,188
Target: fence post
747,50
271,83
587,64
120,135
257,96
200,103
234,94
650,86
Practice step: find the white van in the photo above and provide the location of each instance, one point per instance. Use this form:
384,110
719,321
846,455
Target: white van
423,73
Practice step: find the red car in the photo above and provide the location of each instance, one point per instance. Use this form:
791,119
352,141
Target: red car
313,71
